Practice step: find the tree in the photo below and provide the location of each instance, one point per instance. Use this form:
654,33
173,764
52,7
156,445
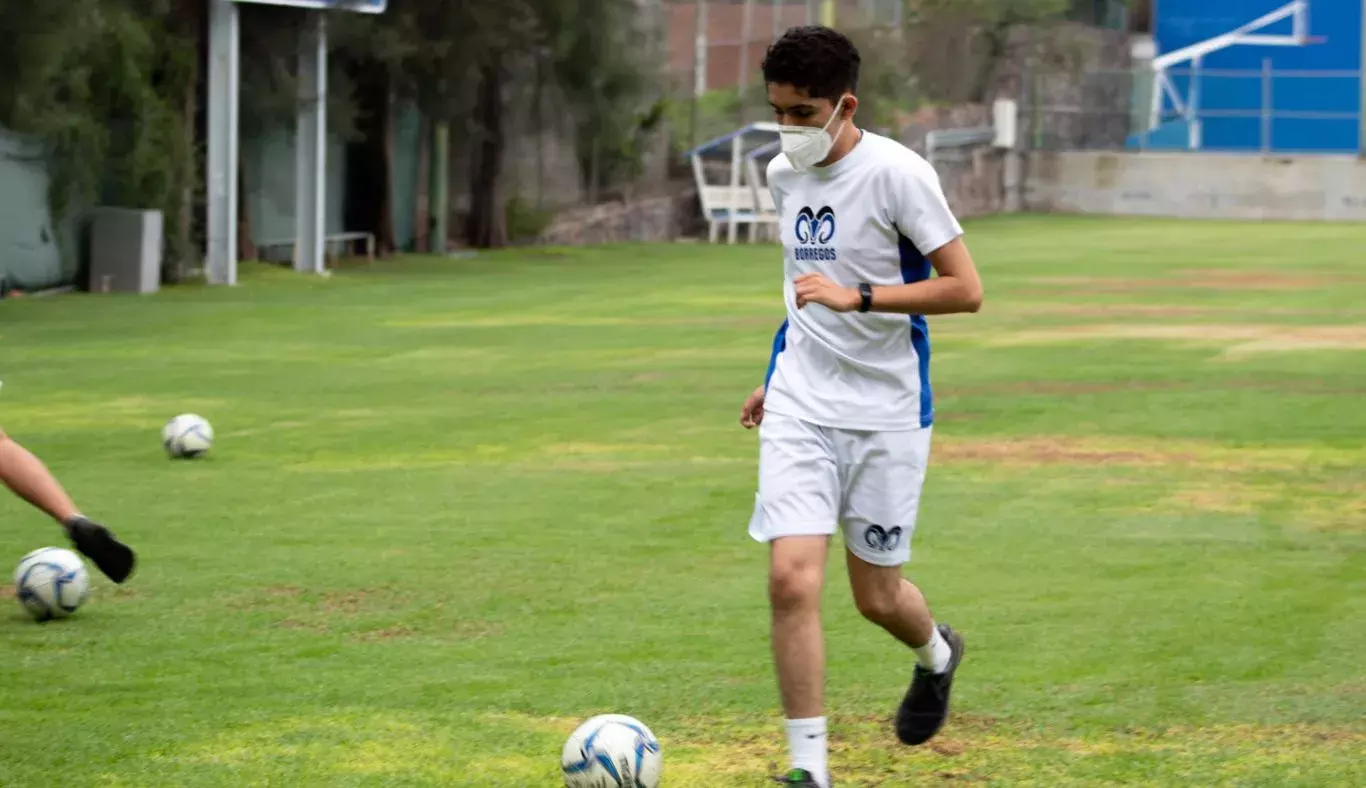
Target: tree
598,54
101,84
457,59
450,57
960,42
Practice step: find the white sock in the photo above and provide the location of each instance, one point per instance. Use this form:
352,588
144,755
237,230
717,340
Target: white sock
806,740
935,655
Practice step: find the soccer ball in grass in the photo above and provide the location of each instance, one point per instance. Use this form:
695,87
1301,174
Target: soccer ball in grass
611,751
187,436
51,583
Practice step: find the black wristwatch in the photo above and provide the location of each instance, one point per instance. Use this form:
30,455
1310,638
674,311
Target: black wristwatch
865,292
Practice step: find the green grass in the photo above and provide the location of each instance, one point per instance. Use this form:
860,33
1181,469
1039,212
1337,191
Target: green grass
458,506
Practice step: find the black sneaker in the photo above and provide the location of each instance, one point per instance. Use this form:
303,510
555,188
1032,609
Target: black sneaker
113,557
926,704
798,778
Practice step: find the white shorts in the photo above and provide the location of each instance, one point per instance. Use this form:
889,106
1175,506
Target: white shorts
813,479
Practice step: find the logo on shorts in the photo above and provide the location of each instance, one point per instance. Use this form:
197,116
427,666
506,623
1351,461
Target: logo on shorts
883,539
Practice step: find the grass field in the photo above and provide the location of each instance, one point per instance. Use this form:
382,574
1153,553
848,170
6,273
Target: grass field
456,507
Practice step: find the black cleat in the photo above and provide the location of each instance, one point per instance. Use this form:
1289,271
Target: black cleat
798,778
926,705
113,557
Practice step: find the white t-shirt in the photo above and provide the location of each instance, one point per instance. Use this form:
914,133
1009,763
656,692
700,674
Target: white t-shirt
872,216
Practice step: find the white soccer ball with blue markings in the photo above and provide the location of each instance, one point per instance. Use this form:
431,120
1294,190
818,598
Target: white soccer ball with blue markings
612,751
51,582
187,436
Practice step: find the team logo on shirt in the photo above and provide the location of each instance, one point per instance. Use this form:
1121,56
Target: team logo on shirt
882,539
815,230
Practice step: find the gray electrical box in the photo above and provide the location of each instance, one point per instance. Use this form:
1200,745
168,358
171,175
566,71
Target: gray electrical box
125,251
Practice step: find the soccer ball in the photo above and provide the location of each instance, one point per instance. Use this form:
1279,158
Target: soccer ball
611,751
51,583
187,436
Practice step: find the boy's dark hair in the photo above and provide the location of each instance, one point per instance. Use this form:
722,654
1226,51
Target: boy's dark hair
816,59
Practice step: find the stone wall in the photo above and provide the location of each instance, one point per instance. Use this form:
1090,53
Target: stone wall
1075,86
1199,185
973,178
1071,83
647,220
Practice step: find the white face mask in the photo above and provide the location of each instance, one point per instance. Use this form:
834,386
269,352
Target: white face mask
806,146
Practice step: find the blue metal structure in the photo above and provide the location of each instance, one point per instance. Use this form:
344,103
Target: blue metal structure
1291,86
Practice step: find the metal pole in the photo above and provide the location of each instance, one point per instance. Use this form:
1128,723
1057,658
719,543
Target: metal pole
777,20
1267,111
828,13
742,80
1193,108
310,147
441,184
221,192
734,207
699,58
1361,76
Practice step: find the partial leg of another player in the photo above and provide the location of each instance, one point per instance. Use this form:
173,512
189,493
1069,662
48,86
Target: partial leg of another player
31,480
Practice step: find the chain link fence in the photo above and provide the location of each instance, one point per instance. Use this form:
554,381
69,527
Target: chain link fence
1255,111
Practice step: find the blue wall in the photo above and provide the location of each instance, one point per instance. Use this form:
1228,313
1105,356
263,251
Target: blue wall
1180,23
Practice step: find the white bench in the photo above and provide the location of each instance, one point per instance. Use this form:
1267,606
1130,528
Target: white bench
721,203
328,241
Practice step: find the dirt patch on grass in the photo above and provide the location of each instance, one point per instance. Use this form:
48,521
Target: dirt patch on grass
1198,455
948,747
1241,338
7,591
304,626
1335,516
1203,279
1223,498
864,752
1113,311
1234,279
304,610
475,630
1055,451
1118,310
344,602
379,635
1061,388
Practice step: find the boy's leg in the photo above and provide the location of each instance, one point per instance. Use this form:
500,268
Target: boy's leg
882,501
892,602
795,578
796,513
31,480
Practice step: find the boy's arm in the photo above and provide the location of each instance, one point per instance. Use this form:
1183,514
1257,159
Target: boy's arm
917,207
957,288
